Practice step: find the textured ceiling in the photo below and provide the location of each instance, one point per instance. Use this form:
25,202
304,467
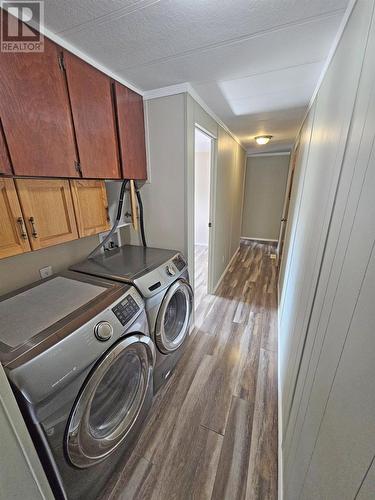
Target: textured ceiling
254,62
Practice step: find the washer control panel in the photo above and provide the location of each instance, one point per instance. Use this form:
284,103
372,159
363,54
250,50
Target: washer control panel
126,309
179,262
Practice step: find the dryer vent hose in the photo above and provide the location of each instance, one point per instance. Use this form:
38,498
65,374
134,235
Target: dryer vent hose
141,220
118,218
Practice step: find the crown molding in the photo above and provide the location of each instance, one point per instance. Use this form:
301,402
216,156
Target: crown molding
279,153
187,88
332,52
74,50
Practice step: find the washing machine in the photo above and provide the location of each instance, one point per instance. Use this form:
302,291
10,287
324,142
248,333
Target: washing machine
161,277
80,360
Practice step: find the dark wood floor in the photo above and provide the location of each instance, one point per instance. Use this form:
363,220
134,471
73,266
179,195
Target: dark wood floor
212,432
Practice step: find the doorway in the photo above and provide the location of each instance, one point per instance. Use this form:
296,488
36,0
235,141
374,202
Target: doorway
285,214
203,156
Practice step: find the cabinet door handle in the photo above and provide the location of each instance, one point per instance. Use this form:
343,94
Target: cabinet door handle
33,228
22,228
108,217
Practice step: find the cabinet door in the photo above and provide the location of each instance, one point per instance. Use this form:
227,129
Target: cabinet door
5,166
34,109
94,119
91,206
131,127
13,236
48,210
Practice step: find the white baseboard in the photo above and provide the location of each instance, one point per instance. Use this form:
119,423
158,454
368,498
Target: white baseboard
225,270
258,239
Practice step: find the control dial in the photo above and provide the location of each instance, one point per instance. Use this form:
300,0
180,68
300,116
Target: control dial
170,270
103,331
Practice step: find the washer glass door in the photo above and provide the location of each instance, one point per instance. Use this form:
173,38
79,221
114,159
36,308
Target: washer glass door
110,401
172,323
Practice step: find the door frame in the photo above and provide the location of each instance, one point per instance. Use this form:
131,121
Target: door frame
286,205
191,207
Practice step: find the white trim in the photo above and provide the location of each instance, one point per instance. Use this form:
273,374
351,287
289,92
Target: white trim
212,234
209,111
281,153
330,56
186,87
258,239
205,131
180,88
85,57
226,270
147,136
280,485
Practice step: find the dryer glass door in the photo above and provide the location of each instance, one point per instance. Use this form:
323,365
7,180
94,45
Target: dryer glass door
172,324
111,401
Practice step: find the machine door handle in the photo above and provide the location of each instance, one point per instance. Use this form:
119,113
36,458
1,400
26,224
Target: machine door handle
22,228
33,227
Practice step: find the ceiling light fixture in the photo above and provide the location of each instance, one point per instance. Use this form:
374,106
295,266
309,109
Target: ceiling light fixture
263,139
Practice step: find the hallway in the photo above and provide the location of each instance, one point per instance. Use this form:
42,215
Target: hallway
212,432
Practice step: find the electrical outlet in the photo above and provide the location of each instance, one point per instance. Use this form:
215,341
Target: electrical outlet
112,243
45,272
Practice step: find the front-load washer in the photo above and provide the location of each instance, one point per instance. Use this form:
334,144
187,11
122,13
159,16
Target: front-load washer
161,276
80,360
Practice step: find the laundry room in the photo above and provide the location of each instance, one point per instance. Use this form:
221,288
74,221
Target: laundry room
187,260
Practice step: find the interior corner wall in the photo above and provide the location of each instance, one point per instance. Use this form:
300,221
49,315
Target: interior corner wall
164,196
229,186
169,194
265,184
227,180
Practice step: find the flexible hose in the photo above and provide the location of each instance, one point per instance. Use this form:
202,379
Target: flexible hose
117,220
141,219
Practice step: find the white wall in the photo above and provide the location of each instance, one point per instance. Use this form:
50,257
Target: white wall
164,197
229,185
326,310
202,197
169,223
23,269
265,185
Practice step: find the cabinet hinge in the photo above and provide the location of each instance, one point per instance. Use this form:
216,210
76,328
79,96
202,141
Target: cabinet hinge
78,168
61,61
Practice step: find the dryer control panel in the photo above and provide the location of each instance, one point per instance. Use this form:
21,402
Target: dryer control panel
179,262
126,309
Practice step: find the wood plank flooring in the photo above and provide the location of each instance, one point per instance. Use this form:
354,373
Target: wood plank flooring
212,431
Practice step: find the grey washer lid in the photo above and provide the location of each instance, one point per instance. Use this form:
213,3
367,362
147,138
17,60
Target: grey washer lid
28,313
125,263
35,317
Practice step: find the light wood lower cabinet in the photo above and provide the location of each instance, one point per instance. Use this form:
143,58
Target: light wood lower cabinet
38,213
13,236
48,211
91,206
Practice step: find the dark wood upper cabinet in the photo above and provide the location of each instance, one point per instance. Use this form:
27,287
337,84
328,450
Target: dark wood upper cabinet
94,120
5,166
131,128
34,109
